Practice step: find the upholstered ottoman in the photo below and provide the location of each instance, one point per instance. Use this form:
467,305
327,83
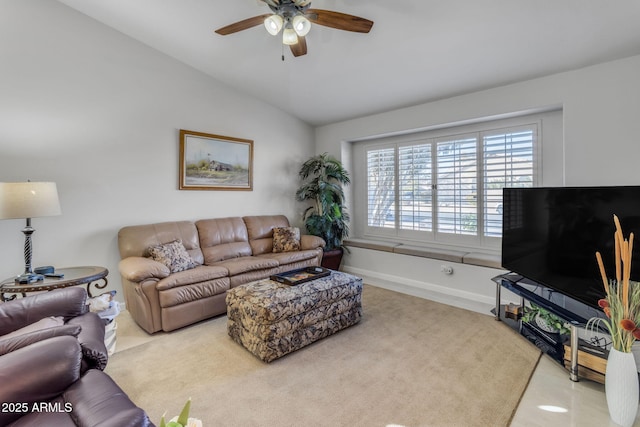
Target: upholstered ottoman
271,319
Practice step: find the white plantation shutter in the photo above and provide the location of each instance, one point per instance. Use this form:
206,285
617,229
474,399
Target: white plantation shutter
508,157
457,186
381,192
415,184
444,187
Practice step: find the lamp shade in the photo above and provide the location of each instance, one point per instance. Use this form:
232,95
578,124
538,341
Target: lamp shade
28,200
301,25
289,36
273,24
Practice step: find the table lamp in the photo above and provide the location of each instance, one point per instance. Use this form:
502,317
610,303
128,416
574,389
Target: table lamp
28,200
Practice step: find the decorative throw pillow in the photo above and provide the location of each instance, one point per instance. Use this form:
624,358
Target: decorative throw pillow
174,255
286,239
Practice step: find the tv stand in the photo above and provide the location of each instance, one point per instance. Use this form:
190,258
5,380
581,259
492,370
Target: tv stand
575,313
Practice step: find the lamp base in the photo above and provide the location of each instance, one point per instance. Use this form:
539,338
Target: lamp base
26,278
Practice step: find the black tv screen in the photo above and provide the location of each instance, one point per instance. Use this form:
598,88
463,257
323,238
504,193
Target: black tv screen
551,235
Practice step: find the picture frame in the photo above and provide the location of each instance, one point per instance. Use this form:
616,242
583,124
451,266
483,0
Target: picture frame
215,162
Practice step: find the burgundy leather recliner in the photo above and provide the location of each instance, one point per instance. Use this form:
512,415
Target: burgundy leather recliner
53,376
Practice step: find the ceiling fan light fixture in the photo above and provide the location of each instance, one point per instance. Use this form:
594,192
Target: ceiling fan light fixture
301,25
273,24
289,36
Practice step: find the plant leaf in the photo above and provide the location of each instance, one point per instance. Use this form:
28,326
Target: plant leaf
183,418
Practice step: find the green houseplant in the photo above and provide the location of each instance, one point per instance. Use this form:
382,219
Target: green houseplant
545,320
323,178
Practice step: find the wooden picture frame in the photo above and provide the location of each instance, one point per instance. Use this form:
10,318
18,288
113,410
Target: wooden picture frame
215,162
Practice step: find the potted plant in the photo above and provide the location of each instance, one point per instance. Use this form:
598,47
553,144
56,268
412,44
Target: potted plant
621,306
323,178
545,320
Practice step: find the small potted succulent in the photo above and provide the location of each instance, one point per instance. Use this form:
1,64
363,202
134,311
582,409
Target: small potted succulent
323,178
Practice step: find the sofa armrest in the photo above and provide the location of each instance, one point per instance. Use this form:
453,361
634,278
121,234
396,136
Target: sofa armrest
98,401
67,302
308,241
37,373
136,269
91,339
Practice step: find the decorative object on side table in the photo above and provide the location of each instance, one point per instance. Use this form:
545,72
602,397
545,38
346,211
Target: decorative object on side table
622,308
26,200
323,177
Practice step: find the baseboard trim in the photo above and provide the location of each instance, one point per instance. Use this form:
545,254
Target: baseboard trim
466,300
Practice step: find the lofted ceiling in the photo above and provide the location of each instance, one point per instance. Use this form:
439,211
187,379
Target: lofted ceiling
417,51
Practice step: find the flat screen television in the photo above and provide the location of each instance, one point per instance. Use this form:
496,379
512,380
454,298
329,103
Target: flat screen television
551,235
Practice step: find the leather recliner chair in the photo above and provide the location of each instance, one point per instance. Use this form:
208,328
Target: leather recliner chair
53,376
68,303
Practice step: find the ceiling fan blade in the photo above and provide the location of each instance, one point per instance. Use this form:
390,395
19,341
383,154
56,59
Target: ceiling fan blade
299,48
242,25
340,21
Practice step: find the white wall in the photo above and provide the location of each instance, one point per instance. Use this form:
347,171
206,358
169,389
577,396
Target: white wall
601,110
99,114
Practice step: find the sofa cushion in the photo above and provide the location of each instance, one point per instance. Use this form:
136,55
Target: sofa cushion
38,373
193,292
66,302
201,273
223,238
14,342
174,255
248,263
135,240
44,323
260,231
284,258
98,401
286,239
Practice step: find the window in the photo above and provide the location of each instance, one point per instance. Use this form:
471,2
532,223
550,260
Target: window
447,188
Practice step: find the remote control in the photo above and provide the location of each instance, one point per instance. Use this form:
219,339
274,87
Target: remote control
55,275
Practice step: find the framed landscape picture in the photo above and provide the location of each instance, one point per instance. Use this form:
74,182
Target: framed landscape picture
214,162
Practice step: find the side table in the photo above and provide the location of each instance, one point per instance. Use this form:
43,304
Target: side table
73,276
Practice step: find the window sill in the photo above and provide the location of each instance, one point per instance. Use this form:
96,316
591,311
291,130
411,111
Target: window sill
462,257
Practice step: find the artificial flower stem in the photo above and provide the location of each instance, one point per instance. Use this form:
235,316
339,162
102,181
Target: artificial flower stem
603,273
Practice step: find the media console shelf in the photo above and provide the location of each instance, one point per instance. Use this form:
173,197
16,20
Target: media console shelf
573,312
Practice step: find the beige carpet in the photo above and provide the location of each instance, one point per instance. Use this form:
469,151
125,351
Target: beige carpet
410,362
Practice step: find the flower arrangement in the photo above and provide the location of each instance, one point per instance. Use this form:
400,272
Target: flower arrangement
622,302
183,419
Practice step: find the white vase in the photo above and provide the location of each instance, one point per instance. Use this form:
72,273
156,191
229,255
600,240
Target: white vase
621,387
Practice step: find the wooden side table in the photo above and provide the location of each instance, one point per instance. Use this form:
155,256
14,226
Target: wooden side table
73,276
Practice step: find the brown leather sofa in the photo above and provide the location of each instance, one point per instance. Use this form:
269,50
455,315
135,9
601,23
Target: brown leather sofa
227,251
53,376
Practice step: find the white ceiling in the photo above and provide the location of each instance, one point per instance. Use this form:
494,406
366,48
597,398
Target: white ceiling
417,50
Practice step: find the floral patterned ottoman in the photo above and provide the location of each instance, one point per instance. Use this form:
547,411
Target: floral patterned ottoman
271,319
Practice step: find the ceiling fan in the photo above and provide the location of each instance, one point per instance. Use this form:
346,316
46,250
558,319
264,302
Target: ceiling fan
294,17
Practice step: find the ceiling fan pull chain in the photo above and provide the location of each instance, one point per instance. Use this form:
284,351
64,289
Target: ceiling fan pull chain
282,46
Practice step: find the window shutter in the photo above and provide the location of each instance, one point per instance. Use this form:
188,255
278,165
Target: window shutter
415,183
508,158
381,183
457,186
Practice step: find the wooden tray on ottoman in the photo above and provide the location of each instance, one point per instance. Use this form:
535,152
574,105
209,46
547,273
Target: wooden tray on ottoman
301,275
